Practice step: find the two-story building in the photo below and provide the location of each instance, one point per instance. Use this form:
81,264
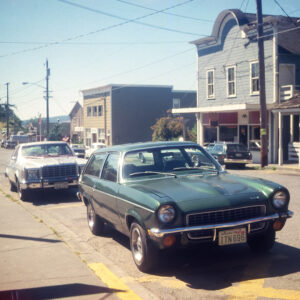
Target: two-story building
76,126
117,114
228,105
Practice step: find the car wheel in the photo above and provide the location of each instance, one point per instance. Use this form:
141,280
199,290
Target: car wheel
143,252
263,243
24,195
12,186
95,223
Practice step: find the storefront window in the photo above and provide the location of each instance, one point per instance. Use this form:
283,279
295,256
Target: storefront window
228,133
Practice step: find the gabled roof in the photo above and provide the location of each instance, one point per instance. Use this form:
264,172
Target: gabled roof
75,109
288,28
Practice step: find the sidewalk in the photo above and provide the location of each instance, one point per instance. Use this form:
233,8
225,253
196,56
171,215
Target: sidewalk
284,167
36,264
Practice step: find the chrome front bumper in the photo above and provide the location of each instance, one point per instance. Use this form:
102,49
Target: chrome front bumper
156,232
45,185
237,161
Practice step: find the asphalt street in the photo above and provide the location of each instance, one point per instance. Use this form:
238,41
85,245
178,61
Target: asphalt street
105,262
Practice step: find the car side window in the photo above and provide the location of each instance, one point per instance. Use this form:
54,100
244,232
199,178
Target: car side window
218,149
110,169
95,165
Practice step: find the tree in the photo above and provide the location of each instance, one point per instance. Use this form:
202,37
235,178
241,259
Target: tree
56,133
169,128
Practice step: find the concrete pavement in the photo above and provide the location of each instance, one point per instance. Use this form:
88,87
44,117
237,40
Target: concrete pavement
36,264
285,167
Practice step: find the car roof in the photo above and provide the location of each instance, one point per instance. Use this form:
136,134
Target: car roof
43,143
145,145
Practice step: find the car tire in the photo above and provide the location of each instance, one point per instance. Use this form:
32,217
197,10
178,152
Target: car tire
24,195
13,187
263,243
144,254
96,224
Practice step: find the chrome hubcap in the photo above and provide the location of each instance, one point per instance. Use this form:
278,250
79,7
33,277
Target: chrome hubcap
91,217
137,246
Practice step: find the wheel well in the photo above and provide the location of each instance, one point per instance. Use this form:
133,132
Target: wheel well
130,220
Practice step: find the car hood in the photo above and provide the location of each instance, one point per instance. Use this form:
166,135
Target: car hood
38,162
208,192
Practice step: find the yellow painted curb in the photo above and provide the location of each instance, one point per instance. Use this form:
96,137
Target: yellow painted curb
113,282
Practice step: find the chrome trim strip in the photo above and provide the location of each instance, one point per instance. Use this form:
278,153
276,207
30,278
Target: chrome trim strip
162,232
135,204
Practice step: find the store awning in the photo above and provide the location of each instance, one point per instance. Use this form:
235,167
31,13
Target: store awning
290,106
219,108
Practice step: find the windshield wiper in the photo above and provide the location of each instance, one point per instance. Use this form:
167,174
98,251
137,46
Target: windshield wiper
152,173
206,167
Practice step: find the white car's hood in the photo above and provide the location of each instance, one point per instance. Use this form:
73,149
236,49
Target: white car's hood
38,162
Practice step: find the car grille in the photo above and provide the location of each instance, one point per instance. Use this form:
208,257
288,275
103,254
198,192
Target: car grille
224,216
59,171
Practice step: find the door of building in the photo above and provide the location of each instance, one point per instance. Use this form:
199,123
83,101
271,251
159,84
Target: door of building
243,136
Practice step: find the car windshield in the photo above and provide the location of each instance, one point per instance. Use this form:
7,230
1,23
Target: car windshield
236,148
46,150
167,162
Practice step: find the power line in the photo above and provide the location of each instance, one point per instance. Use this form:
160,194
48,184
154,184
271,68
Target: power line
96,43
166,13
285,12
135,20
126,21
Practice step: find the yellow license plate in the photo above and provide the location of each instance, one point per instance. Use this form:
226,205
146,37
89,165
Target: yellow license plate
232,236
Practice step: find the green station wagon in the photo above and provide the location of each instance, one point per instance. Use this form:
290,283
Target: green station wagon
173,194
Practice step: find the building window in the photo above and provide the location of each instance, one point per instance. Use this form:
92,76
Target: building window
176,103
100,110
101,135
231,81
89,111
94,111
210,91
254,78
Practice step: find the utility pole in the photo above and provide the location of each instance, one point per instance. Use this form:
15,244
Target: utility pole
47,96
7,111
262,88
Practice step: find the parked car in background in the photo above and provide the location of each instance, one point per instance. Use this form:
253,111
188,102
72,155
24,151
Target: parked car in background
43,165
164,195
231,154
254,147
79,150
9,144
209,147
93,147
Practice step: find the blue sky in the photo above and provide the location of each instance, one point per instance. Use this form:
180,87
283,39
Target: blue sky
88,43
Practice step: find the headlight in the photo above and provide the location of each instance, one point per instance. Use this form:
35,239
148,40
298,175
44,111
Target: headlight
32,174
166,213
280,199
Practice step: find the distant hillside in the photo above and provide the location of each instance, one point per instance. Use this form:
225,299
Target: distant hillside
56,119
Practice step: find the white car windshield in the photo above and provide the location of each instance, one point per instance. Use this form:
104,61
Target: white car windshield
46,150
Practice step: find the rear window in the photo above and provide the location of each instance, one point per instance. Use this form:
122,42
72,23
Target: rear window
237,148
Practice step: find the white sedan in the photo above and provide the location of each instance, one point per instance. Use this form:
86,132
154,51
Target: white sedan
43,165
93,148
